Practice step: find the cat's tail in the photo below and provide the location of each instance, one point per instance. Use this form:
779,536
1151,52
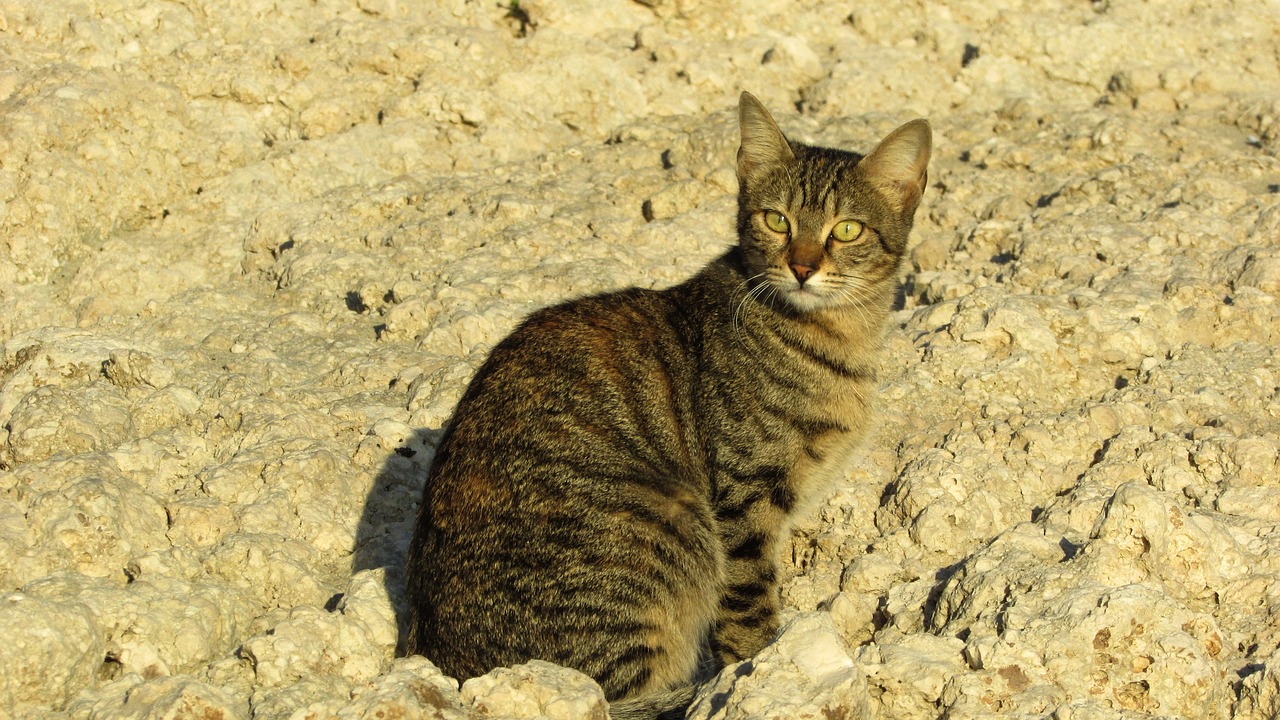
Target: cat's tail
665,705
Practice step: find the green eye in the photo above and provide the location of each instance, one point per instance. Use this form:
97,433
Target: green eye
776,221
846,230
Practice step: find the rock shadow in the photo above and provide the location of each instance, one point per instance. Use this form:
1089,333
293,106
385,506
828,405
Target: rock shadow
390,512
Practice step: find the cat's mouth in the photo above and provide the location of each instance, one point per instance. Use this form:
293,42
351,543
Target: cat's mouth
812,294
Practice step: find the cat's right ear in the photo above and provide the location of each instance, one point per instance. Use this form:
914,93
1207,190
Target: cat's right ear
900,165
763,144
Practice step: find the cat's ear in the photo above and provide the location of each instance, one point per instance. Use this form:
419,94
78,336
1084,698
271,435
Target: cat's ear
900,165
763,144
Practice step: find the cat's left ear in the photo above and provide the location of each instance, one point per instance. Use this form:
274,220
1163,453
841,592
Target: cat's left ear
900,165
763,144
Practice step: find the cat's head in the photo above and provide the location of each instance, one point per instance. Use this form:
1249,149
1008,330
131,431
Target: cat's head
824,228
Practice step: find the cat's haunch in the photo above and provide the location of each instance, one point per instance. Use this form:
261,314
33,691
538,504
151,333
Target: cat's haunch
613,489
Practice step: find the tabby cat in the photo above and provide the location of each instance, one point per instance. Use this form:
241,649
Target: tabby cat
616,484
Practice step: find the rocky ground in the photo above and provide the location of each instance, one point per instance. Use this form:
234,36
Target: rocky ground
251,252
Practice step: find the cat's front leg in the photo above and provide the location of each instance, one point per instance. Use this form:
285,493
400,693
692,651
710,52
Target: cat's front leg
749,603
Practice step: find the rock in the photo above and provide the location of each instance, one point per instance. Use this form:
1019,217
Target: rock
1262,272
97,523
537,690
412,687
908,673
806,673
51,649
53,420
673,200
1142,648
171,698
355,643
306,695
1260,692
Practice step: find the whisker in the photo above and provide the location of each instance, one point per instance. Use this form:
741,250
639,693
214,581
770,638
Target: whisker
859,296
743,305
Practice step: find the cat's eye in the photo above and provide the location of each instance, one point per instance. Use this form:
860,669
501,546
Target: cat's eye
776,221
846,230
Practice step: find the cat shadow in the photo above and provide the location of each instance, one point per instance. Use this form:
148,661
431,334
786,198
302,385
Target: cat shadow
900,294
387,521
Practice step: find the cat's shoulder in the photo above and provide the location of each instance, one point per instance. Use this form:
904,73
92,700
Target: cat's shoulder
590,319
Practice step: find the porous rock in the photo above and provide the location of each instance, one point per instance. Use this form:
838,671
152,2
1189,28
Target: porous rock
1260,692
169,698
355,642
536,690
806,673
51,648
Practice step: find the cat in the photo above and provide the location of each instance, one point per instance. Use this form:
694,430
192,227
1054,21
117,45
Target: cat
616,484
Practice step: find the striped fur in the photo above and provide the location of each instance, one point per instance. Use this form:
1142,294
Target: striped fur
616,483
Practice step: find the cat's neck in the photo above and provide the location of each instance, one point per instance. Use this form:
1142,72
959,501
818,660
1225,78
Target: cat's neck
852,324
848,321
851,332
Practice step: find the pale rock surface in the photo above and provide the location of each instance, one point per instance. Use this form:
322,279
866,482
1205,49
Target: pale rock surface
1260,692
251,254
49,647
806,673
411,688
908,673
355,643
168,698
536,690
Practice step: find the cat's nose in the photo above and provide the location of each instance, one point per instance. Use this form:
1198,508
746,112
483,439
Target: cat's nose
803,271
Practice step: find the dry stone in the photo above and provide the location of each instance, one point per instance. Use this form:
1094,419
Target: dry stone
806,673
51,650
171,698
411,688
1260,692
536,690
355,643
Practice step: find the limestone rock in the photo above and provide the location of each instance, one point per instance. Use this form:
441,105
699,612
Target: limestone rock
51,650
537,690
171,698
806,673
410,688
355,643
1260,692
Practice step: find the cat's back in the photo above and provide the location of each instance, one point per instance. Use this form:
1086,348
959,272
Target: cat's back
609,376
570,478
620,359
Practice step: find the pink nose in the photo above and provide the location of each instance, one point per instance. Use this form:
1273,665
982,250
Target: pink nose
802,271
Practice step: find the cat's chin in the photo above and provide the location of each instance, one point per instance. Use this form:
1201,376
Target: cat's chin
803,299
